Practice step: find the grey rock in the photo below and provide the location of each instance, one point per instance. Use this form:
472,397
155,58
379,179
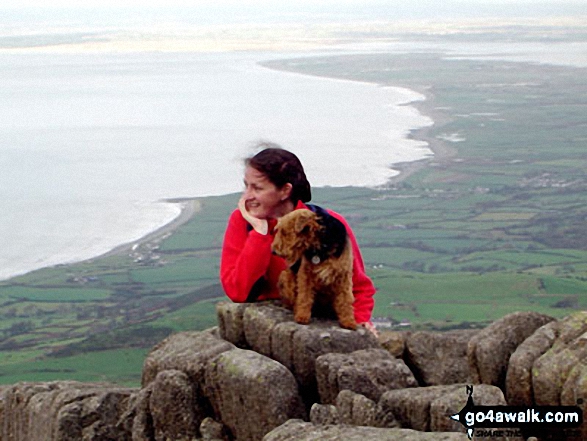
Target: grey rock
384,417
230,322
438,358
574,393
173,407
489,351
323,414
295,430
442,407
136,420
269,329
212,430
551,370
187,352
198,384
394,342
251,394
369,372
63,411
355,409
325,337
352,409
519,388
411,407
259,322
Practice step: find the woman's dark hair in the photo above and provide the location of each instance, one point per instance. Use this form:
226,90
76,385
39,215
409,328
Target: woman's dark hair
282,167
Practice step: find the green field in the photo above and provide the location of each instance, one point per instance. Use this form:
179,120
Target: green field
496,224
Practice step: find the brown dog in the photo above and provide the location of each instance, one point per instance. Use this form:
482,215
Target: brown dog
318,253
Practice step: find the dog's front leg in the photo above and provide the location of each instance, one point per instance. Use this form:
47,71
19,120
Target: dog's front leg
287,288
343,305
305,298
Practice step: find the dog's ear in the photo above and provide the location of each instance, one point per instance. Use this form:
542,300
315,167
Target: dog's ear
302,222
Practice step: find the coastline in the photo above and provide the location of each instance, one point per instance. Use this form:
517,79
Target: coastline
440,149
441,152
189,208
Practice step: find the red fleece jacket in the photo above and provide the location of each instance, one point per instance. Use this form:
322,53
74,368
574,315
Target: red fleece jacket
247,258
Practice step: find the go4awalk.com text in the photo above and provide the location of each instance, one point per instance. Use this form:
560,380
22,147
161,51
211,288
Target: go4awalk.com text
514,420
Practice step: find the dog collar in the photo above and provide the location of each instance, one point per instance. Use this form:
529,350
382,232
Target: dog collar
315,259
315,256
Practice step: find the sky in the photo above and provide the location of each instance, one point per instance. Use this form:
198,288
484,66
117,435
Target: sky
277,4
229,12
171,3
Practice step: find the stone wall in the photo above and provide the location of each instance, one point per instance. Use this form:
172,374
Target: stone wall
260,376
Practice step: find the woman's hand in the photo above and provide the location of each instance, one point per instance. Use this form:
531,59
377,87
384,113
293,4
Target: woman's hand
259,225
369,327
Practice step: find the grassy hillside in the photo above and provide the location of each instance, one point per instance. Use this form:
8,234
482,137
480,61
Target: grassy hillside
494,223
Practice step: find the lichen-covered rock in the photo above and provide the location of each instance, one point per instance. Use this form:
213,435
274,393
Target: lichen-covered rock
196,385
438,358
355,409
269,329
411,407
251,394
310,342
519,389
187,352
295,430
323,414
453,401
574,393
63,411
352,409
230,322
369,372
136,420
489,351
548,368
259,322
173,407
212,430
551,370
394,342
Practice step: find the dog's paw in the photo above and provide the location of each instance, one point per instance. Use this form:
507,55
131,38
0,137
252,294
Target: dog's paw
302,319
348,324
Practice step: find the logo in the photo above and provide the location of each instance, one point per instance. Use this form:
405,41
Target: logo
529,419
461,417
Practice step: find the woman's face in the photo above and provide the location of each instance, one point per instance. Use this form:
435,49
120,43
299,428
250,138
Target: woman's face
262,198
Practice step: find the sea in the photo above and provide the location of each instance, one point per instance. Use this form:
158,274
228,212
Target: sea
93,143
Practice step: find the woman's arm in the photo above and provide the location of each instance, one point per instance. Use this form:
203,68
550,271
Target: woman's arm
363,287
245,258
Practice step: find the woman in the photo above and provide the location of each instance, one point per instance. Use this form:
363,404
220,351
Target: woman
275,184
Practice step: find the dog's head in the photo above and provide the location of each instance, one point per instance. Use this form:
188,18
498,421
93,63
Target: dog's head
295,233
